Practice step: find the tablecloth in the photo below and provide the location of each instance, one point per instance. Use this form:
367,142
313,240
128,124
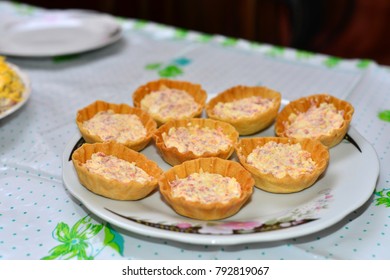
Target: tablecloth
40,219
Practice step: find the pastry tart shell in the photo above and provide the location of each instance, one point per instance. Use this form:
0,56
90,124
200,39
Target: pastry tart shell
97,106
247,125
210,211
287,184
195,90
301,105
174,157
110,188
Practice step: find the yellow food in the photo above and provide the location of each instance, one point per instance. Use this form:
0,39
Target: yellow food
11,86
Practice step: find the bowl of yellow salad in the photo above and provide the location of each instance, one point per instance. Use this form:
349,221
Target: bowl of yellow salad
14,88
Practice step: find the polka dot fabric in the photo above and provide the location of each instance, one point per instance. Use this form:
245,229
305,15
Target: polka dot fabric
36,210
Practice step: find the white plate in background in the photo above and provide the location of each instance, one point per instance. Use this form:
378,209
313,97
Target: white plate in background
58,33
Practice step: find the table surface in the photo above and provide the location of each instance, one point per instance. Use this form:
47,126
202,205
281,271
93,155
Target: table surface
40,219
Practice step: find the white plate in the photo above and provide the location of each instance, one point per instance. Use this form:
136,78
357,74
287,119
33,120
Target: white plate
347,184
58,33
25,94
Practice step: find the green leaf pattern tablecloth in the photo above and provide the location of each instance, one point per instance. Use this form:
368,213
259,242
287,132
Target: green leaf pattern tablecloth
39,219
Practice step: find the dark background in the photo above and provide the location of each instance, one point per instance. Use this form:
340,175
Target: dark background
344,28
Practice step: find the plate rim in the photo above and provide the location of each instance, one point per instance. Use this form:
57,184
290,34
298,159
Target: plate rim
218,239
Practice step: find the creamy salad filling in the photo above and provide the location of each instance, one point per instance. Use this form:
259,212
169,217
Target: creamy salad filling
119,127
198,140
241,108
206,188
281,159
11,86
113,168
316,121
169,103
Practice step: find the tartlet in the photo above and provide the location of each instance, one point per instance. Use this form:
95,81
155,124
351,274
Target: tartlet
343,110
113,188
248,123
191,99
213,210
146,121
197,138
290,182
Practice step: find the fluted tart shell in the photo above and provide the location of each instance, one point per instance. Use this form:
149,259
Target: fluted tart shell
303,104
110,188
195,90
210,211
91,110
247,125
287,184
173,156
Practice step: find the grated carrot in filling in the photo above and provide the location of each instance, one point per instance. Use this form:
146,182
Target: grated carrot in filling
115,168
196,139
316,121
281,159
119,127
206,188
245,107
169,104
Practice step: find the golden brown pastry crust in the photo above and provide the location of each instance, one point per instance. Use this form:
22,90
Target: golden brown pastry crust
195,90
174,157
286,184
247,126
112,188
211,211
99,105
303,104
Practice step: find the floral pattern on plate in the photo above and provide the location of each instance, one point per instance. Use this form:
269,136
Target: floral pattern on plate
304,214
